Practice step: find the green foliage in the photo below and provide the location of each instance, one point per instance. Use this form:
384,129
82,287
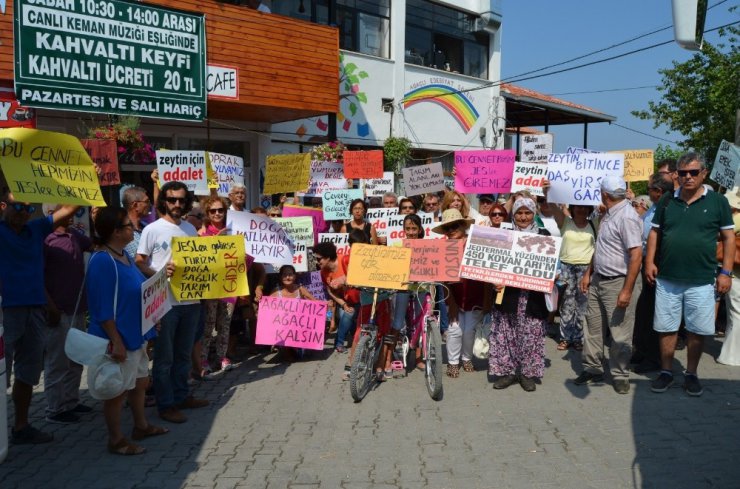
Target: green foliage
395,153
700,96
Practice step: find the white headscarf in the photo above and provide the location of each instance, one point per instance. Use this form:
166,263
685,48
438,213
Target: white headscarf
529,204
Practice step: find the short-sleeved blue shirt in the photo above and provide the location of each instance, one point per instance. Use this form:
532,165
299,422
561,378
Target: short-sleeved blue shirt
101,285
22,263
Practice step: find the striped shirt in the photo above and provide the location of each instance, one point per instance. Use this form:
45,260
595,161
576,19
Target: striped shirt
620,231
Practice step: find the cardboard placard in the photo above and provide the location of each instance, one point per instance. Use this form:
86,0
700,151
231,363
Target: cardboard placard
500,256
104,153
264,239
188,167
576,178
229,171
319,224
536,148
395,233
155,300
363,164
295,323
208,267
528,176
336,203
638,164
313,284
384,267
48,167
436,260
423,179
340,240
287,173
377,187
378,218
726,164
325,175
300,229
484,171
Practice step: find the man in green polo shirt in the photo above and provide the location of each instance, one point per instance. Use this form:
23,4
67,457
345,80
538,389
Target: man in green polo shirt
681,262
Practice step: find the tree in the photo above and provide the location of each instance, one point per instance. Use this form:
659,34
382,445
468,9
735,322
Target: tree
701,96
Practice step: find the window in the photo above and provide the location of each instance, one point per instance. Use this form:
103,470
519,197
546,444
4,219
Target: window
447,39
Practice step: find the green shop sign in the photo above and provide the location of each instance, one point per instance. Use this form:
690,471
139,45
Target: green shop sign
110,56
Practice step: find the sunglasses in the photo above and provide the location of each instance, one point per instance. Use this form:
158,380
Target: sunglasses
220,210
497,214
23,207
174,200
275,215
693,173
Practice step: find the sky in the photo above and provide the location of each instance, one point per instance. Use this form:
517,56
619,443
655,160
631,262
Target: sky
538,33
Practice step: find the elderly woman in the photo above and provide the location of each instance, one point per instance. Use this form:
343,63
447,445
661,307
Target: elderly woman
517,342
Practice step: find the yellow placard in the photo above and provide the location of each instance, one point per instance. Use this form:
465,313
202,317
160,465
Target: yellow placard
287,173
384,267
211,174
48,167
212,267
638,164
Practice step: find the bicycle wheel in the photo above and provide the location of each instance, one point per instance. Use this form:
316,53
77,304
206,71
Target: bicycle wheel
361,373
433,360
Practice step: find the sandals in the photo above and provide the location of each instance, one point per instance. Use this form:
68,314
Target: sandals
453,371
563,345
150,430
124,447
468,366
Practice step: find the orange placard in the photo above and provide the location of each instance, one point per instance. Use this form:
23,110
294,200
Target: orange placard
363,164
435,260
104,153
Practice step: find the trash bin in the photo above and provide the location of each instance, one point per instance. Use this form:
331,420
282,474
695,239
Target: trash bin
3,400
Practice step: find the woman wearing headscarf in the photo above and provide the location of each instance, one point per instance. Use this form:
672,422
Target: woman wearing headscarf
517,342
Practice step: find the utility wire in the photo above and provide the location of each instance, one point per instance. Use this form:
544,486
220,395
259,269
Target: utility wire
645,133
605,90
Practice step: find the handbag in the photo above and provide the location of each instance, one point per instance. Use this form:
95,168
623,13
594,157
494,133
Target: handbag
482,331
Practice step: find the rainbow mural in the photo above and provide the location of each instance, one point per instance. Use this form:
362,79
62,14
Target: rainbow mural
457,104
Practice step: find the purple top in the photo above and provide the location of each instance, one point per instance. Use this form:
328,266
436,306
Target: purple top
65,269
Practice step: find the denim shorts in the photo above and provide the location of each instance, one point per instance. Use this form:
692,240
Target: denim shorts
696,302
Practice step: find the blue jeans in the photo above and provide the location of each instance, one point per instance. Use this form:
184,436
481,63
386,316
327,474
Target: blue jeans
444,321
172,350
346,321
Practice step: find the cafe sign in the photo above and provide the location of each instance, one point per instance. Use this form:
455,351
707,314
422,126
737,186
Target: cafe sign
110,56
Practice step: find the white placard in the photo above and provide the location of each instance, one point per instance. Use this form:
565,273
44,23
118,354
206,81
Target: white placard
155,300
528,176
726,164
264,239
188,167
229,171
378,218
535,148
576,178
423,179
340,240
222,82
377,187
325,175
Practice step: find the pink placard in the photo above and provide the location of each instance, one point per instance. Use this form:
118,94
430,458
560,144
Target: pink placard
319,225
484,172
295,323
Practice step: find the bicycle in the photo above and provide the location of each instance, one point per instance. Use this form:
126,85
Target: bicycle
367,351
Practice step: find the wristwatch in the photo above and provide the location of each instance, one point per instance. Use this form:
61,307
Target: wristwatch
729,273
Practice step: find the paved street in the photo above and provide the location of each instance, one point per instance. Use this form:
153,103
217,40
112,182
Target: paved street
294,425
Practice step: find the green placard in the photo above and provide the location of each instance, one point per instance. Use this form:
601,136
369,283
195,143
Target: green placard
110,56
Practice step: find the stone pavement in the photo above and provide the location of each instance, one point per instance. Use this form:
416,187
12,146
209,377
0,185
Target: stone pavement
293,425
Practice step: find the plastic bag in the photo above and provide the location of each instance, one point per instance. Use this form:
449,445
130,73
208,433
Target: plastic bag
482,331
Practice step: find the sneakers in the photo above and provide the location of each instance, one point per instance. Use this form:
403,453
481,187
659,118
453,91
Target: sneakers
173,415
81,409
692,386
527,383
29,435
621,386
67,417
588,378
192,403
504,381
662,383
226,364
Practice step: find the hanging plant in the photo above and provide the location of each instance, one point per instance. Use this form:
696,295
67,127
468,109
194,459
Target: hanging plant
132,147
331,151
395,153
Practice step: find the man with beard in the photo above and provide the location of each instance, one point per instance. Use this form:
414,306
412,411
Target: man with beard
179,326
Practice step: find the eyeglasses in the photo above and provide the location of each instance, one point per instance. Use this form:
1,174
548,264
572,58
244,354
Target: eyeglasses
174,200
497,214
219,210
23,207
693,173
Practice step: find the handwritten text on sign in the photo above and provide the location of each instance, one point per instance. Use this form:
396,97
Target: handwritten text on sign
104,153
287,173
363,164
155,300
299,229
188,167
210,267
500,256
325,175
435,260
379,266
48,167
265,240
638,164
229,171
484,171
576,178
529,176
313,284
726,164
422,179
536,148
336,203
295,323
319,224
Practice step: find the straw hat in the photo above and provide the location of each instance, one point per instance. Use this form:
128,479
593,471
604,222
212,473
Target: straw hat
451,216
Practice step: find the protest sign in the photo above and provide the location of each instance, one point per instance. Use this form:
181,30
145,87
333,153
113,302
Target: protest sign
319,224
384,267
211,175
378,218
726,164
188,167
313,284
48,167
229,171
524,260
104,153
528,176
287,173
300,257
265,240
336,203
340,240
377,187
295,323
484,171
574,150
422,179
12,113
363,164
395,233
212,267
638,164
575,178
299,229
535,148
155,300
435,260
325,175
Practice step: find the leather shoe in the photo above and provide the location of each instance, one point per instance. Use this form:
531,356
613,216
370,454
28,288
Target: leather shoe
527,383
192,403
504,381
173,415
621,386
